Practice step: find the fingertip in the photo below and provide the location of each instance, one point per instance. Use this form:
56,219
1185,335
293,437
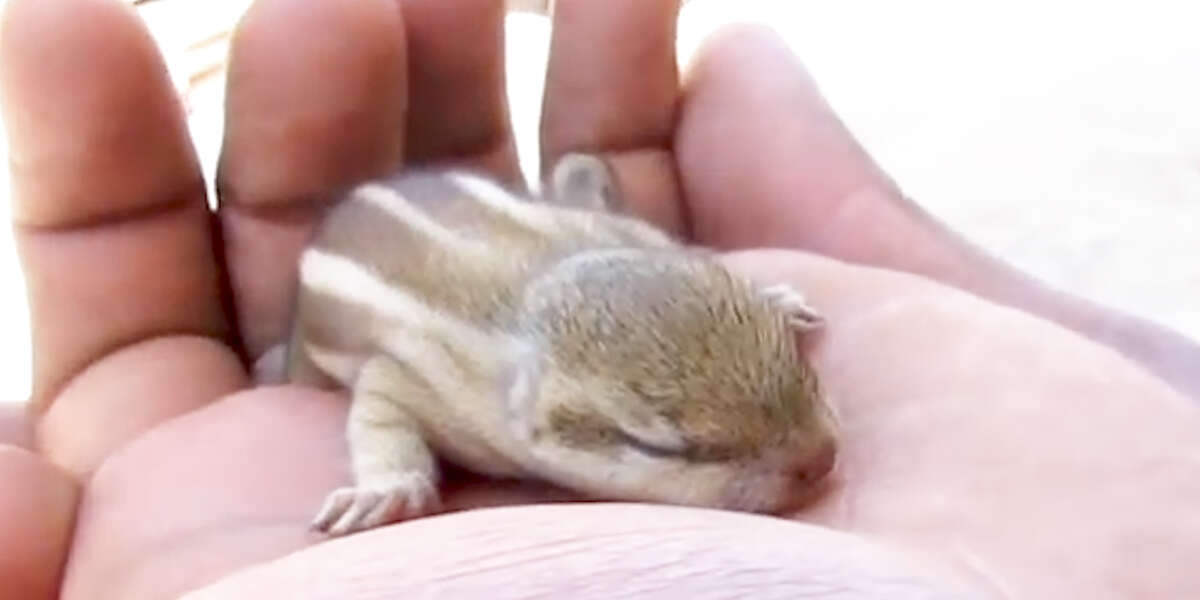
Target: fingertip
131,391
741,41
94,124
612,88
763,159
214,491
37,514
458,88
316,99
612,79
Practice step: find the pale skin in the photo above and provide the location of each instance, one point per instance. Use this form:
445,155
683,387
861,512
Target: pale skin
983,448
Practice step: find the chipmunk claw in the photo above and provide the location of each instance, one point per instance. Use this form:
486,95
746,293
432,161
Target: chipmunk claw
349,510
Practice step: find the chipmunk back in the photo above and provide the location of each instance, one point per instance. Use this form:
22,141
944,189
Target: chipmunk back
551,339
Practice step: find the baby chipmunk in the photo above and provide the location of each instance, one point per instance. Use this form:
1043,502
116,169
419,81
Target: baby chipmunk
549,338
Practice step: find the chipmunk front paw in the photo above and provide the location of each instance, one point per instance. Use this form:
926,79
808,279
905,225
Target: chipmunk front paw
352,509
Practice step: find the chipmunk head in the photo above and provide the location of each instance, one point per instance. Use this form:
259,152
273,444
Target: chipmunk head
664,377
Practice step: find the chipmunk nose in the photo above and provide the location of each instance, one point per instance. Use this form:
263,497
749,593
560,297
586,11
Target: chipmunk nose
818,464
807,474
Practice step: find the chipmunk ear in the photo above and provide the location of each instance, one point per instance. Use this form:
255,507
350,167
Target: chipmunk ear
655,436
796,310
584,181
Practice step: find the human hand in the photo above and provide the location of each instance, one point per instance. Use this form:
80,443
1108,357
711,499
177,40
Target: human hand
972,446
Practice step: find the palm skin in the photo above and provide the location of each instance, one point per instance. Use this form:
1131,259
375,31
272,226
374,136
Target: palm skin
984,448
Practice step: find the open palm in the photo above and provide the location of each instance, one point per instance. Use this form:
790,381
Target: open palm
983,447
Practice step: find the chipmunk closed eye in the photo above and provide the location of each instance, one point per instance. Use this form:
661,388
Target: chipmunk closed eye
551,339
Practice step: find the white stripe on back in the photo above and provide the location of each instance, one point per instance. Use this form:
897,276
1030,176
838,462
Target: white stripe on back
347,280
492,196
396,205
342,366
408,316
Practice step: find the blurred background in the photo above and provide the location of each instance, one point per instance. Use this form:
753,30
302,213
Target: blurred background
1063,136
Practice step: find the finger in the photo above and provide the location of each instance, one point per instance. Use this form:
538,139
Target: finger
108,198
37,511
611,88
763,159
218,489
134,389
458,104
15,428
315,102
615,550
